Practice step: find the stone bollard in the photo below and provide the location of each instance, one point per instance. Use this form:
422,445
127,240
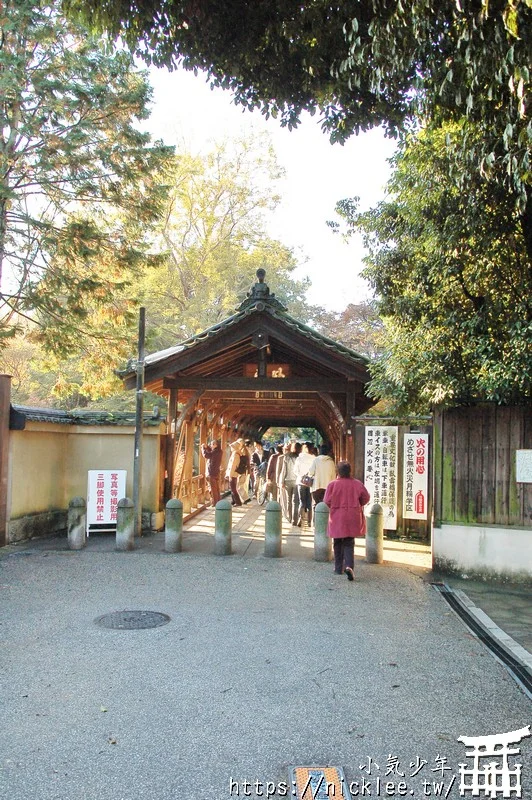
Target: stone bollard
77,523
125,524
223,525
375,529
273,530
173,527
322,542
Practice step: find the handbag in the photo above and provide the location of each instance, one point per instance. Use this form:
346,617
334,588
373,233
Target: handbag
307,480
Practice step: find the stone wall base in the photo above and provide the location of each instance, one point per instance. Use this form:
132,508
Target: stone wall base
46,523
483,552
54,523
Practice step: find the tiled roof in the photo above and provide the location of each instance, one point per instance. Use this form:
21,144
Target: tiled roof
276,310
21,414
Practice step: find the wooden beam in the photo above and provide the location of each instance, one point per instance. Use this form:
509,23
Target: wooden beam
201,351
315,351
237,383
335,410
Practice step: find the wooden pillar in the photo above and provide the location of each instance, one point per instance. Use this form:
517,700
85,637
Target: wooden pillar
437,460
187,466
171,442
343,445
223,444
202,488
5,401
350,429
360,443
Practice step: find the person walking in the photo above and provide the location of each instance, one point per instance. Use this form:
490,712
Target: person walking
346,497
259,458
304,461
288,481
278,472
322,471
231,473
271,473
243,470
250,450
212,453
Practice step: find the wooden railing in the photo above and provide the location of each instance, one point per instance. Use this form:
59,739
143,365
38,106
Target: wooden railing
193,493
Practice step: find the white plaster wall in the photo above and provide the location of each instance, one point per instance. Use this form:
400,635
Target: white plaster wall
112,448
49,464
488,550
36,467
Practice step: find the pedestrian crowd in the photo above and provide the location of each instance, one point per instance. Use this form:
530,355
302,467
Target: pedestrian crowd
299,477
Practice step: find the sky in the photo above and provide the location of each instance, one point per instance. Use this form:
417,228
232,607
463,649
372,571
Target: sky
317,175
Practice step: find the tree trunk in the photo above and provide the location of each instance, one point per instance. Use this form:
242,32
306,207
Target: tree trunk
526,223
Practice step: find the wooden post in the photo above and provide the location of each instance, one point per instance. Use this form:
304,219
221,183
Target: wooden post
171,440
187,466
223,444
139,413
5,400
360,433
437,460
350,429
202,487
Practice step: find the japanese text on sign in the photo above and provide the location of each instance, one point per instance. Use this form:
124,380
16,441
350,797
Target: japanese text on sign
415,476
105,489
380,471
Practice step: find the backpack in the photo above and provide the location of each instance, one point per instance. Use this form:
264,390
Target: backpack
242,466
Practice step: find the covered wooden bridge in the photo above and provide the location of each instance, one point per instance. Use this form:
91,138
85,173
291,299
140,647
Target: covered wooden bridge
257,369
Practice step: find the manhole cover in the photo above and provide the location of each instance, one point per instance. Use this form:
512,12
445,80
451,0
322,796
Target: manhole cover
132,620
319,783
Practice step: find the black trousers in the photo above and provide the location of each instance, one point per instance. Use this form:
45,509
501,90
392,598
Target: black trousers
305,502
234,492
344,553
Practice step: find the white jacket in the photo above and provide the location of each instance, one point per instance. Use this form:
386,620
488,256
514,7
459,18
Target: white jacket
323,470
303,464
234,461
288,472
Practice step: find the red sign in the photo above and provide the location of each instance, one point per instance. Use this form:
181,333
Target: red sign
420,502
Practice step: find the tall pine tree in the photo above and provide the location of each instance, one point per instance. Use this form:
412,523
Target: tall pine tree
80,184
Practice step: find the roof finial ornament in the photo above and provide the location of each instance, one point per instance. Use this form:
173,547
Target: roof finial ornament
260,290
260,293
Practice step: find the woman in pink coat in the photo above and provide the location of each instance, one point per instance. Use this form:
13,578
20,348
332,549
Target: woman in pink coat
345,497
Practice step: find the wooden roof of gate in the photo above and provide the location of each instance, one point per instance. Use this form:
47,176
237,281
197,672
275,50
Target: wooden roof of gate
323,379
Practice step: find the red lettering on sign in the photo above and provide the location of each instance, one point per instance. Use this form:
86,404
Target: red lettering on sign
420,502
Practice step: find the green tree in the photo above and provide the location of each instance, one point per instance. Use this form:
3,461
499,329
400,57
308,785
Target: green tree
358,326
362,63
453,279
214,235
80,185
16,360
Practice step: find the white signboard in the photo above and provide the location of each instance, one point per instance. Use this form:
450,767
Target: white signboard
380,471
415,475
523,466
105,488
